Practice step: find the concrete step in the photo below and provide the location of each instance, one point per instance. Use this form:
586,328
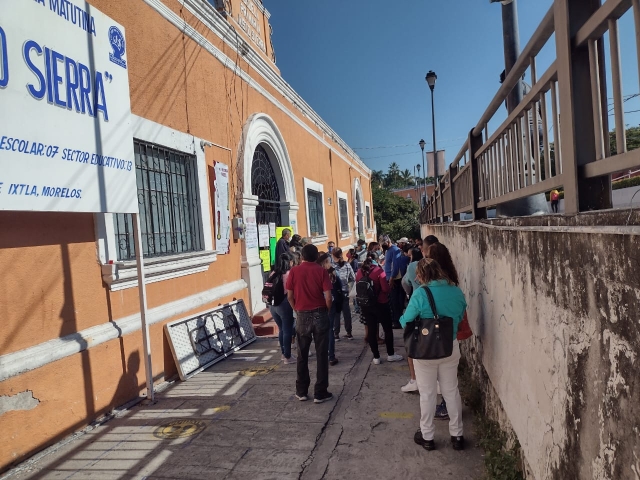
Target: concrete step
267,329
263,316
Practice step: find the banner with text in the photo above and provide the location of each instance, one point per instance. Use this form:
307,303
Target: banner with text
65,129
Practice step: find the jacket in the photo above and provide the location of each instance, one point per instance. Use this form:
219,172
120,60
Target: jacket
449,301
346,275
380,283
409,282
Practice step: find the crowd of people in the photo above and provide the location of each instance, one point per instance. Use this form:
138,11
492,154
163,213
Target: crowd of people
410,285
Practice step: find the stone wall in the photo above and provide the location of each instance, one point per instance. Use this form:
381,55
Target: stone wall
554,305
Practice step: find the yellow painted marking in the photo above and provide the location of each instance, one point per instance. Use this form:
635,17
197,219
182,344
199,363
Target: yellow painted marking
252,372
224,408
400,368
396,415
179,429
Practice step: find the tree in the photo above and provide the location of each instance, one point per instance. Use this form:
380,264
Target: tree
633,139
378,177
407,177
395,216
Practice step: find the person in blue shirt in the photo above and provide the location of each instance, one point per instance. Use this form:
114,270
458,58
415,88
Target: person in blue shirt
392,264
449,302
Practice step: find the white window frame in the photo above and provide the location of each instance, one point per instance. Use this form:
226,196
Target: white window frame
342,195
368,220
120,275
317,187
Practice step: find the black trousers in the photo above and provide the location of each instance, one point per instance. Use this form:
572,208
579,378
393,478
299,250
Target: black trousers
380,314
396,301
313,325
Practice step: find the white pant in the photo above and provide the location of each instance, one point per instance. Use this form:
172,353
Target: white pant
445,372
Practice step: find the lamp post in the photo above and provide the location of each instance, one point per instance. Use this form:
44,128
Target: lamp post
419,199
431,80
424,168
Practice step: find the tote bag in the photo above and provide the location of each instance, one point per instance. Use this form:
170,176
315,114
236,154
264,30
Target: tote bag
429,338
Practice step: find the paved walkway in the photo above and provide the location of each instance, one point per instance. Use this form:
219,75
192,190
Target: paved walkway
248,425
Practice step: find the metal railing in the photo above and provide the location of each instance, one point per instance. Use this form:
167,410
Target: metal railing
533,151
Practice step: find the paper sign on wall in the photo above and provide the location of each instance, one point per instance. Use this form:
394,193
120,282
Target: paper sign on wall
66,143
265,256
272,229
222,217
279,232
251,233
263,235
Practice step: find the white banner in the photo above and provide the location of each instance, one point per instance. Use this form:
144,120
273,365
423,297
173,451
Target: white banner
222,217
431,167
251,233
65,132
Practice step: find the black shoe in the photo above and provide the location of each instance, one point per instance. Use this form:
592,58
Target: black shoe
457,443
426,444
396,326
323,398
333,362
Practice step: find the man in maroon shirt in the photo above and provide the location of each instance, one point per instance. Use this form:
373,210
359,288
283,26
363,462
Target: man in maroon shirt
309,292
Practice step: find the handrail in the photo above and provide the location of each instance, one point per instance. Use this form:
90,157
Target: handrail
596,26
538,40
463,150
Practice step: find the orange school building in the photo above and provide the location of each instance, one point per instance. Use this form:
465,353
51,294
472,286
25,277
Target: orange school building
204,88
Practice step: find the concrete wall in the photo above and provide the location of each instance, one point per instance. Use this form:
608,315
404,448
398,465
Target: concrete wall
554,304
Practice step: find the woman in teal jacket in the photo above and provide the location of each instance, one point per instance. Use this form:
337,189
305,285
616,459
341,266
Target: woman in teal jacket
450,302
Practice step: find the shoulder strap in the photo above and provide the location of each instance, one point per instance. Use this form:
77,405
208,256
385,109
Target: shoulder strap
432,302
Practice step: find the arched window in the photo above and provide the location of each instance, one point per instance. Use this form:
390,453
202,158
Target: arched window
265,186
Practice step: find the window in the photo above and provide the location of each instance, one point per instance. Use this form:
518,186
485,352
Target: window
367,210
344,215
316,220
170,220
316,214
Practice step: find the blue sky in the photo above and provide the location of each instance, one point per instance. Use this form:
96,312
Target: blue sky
361,65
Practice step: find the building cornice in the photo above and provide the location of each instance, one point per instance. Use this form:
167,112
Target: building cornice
221,28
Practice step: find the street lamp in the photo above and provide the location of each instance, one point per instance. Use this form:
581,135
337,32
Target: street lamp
422,143
419,200
431,80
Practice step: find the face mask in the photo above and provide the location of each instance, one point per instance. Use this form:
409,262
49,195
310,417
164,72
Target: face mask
330,249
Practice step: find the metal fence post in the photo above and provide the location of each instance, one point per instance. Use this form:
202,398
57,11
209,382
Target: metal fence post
453,171
474,144
578,145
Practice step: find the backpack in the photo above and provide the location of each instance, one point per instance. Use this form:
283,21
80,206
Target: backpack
365,292
273,290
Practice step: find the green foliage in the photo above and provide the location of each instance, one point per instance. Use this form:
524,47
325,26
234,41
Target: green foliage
396,178
395,216
633,139
625,183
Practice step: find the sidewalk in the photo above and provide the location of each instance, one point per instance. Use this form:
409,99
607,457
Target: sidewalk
240,420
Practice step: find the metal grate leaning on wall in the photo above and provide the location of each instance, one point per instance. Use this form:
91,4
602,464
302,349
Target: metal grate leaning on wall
206,338
170,220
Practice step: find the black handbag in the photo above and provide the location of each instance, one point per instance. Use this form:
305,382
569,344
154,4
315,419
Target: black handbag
429,338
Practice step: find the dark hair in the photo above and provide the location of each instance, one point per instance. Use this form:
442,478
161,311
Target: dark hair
428,270
385,247
361,242
372,245
310,253
367,265
295,257
407,247
441,254
322,257
416,255
283,265
430,240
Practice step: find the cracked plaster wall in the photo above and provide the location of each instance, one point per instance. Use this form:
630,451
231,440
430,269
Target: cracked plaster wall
557,329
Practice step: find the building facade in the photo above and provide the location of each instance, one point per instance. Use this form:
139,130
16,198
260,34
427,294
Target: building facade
415,194
205,92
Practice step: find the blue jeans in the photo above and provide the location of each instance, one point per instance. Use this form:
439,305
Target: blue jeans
283,315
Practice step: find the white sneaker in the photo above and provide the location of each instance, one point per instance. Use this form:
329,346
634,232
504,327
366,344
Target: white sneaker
412,386
376,361
292,359
395,358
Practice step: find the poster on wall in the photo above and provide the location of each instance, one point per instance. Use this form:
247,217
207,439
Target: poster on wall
279,232
66,143
265,256
222,215
263,235
272,229
251,233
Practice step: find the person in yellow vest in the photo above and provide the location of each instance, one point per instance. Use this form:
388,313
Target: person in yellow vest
554,196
